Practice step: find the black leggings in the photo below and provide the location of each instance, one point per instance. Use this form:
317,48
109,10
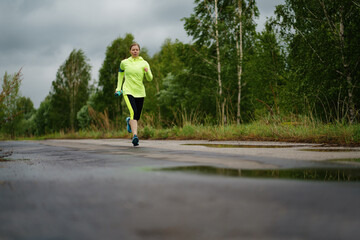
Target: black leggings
135,106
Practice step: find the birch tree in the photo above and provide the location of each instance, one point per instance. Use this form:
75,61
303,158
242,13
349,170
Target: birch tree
222,25
240,54
205,28
245,11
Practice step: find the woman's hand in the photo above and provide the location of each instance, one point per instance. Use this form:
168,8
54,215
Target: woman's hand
118,93
146,69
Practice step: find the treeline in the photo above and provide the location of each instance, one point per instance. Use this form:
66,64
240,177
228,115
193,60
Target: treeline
304,63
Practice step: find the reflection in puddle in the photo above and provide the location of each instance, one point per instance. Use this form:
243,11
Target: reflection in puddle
318,174
346,160
275,146
330,150
244,146
4,155
13,160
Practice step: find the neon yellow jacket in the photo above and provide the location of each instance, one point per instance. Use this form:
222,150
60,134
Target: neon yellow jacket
133,69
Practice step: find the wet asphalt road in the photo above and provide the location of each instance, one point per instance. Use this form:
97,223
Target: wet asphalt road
100,189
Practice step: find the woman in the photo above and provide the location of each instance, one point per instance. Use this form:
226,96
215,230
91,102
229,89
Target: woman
134,68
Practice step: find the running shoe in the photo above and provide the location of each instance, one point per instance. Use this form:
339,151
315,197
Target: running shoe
135,141
128,124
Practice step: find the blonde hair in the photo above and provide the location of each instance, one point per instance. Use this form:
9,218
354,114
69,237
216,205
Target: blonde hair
134,44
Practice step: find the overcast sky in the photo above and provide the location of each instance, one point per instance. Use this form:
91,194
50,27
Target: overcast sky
38,35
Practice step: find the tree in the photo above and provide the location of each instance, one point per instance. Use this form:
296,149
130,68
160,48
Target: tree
70,90
240,54
225,27
27,111
266,73
83,117
166,62
26,107
42,120
204,26
187,86
324,39
246,11
9,98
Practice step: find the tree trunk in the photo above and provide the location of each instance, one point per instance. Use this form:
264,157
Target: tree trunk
239,48
73,91
345,62
72,100
351,101
346,67
222,101
159,109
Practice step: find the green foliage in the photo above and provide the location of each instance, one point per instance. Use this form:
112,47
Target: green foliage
83,117
176,88
147,132
10,113
42,118
223,82
323,57
166,62
188,131
25,126
265,75
26,107
70,91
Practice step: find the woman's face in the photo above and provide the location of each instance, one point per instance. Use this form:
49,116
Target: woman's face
135,51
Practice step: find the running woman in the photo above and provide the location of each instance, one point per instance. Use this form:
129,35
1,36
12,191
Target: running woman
134,69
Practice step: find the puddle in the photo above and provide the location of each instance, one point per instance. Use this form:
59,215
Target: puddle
346,160
245,146
4,155
13,160
330,150
275,146
318,174
4,160
8,157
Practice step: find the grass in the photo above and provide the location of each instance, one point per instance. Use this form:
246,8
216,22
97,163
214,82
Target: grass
339,134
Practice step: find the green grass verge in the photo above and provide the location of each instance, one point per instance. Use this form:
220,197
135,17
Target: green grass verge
257,131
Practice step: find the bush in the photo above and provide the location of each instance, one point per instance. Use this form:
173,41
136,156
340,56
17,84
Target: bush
188,130
83,117
147,132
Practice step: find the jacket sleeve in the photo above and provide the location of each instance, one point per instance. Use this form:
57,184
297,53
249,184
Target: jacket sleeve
120,77
148,74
